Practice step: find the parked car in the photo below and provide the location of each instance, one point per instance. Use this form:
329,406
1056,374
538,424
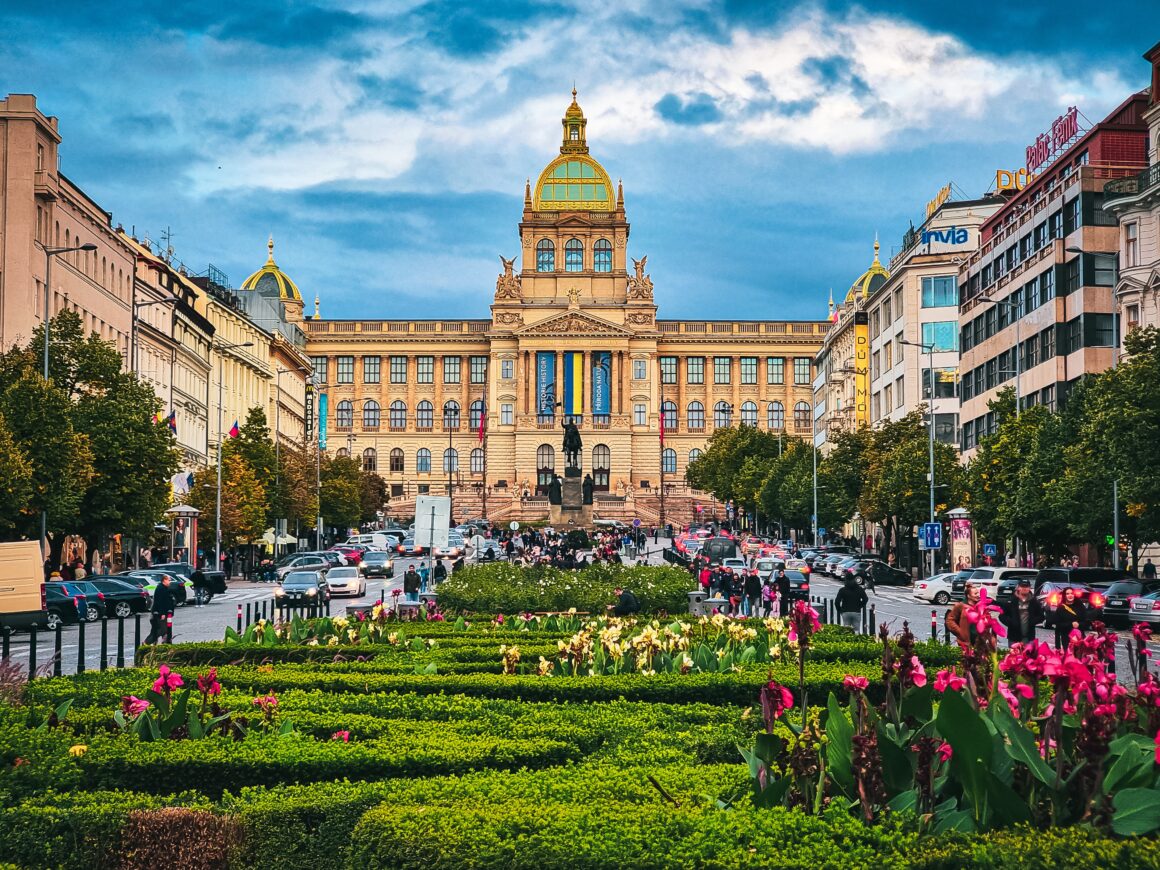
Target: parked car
64,606
332,558
959,584
376,564
302,562
1083,575
1146,608
799,585
351,553
1121,594
216,581
94,597
122,598
868,571
410,548
1051,595
936,589
149,581
990,578
302,589
346,580
827,564
844,568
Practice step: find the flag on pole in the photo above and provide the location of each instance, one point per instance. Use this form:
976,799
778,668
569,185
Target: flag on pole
662,424
172,421
234,430
482,421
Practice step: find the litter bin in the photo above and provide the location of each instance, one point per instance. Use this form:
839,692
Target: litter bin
697,605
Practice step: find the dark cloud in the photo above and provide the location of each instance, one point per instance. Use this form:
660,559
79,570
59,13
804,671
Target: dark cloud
692,111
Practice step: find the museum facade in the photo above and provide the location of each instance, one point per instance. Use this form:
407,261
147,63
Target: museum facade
478,405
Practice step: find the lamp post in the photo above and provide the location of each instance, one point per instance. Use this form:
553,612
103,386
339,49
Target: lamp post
217,516
137,306
278,448
928,349
49,253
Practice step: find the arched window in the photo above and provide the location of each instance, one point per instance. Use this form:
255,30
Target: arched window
694,454
802,417
722,415
574,256
545,256
450,416
424,416
475,415
344,414
749,414
398,416
371,414
397,460
545,467
602,255
696,416
776,416
601,466
341,453
477,460
669,461
371,459
450,460
423,461
669,413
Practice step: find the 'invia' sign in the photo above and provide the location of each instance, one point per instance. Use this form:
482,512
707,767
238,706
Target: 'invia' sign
947,235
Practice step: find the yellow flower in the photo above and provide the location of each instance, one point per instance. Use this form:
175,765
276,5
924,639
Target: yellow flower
393,638
78,750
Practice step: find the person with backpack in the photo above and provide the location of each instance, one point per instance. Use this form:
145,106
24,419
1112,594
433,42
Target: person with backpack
849,602
752,592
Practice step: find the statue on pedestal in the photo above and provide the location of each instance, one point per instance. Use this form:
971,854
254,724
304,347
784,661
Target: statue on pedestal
572,444
587,488
555,491
507,285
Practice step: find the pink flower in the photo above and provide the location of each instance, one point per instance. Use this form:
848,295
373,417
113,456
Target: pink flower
855,684
948,680
499,619
917,673
132,706
208,684
944,751
1158,747
344,736
983,616
775,700
167,681
266,703
396,592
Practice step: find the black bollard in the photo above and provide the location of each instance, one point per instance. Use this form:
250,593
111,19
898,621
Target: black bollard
81,646
946,629
249,614
120,641
56,652
873,621
105,642
6,652
32,651
1112,663
239,617
863,619
934,625
136,637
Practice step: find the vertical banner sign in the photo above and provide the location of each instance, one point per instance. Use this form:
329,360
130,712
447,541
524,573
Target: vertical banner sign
861,368
573,383
962,544
322,421
601,381
309,413
545,382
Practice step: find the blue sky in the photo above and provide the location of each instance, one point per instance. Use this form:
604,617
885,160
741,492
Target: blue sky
385,143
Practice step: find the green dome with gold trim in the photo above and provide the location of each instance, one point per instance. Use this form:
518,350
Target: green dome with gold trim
574,181
870,280
271,278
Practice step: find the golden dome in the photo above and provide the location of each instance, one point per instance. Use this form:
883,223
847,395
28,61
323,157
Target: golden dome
574,181
870,280
270,277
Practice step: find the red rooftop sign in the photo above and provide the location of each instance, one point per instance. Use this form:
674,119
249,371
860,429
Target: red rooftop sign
1048,145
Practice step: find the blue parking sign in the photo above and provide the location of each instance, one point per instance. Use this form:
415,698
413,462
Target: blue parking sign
990,549
931,537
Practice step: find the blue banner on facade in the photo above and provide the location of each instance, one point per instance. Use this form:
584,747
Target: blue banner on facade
545,382
322,421
601,382
574,383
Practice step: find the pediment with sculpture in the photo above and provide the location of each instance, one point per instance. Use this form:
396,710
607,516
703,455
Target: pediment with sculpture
574,323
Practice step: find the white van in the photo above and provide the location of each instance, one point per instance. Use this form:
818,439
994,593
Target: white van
22,601
385,541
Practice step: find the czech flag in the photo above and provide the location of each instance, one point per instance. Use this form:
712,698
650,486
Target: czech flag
172,421
234,430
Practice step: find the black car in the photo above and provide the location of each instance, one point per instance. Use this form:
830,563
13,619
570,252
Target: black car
121,597
149,579
878,573
65,604
215,580
799,585
94,597
959,584
1120,595
1080,576
375,564
302,589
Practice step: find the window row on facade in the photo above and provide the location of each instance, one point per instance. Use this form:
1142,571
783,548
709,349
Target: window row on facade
723,416
424,418
574,256
399,369
397,464
723,369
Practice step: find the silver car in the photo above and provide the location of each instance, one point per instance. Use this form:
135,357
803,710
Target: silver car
346,580
1146,608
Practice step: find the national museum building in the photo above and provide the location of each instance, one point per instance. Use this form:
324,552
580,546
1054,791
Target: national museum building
573,333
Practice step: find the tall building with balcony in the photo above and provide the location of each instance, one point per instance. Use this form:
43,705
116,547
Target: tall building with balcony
1036,302
1135,203
573,333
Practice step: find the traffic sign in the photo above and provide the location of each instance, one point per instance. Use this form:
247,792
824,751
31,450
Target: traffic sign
931,537
821,532
514,526
990,549
636,524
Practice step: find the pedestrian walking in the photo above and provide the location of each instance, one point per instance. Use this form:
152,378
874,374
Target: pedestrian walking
440,572
424,575
956,618
752,591
1149,570
161,613
411,585
1021,614
768,594
783,588
850,602
1071,615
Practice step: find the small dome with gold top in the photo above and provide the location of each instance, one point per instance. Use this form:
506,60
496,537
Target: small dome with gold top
574,181
271,278
870,280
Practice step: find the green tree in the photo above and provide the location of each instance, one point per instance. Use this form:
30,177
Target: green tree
254,445
243,503
15,481
718,469
341,497
787,493
298,484
372,496
842,476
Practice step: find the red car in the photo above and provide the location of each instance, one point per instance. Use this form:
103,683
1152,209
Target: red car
353,555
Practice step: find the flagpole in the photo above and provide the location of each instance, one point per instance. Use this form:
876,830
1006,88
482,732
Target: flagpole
661,396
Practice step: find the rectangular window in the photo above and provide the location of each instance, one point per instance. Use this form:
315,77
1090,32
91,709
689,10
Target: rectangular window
875,321
990,321
451,370
639,370
887,317
424,369
1025,247
966,337
1047,343
944,383
876,364
371,366
1131,244
900,391
722,369
320,373
875,407
801,370
507,369
1055,226
1099,330
888,356
939,291
992,373
968,386
944,428
1073,335
898,302
1047,286
695,369
887,398
1103,270
1031,295
478,369
1039,238
1071,216
944,335
749,370
640,415
344,369
506,413
668,369
398,370
775,370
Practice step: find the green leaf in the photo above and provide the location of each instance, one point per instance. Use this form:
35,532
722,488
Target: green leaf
958,820
919,704
768,747
62,710
1006,806
839,747
963,728
897,767
1137,811
903,801
232,636
1020,745
773,794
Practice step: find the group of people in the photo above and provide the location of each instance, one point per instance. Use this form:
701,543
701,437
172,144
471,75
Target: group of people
746,592
419,579
1020,615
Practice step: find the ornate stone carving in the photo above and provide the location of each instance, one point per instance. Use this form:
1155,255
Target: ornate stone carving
509,318
640,285
573,323
642,318
507,285
574,296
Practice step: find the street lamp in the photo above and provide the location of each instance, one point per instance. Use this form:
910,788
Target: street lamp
137,306
928,349
49,253
217,518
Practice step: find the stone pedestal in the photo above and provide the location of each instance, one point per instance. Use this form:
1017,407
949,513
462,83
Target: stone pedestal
572,513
